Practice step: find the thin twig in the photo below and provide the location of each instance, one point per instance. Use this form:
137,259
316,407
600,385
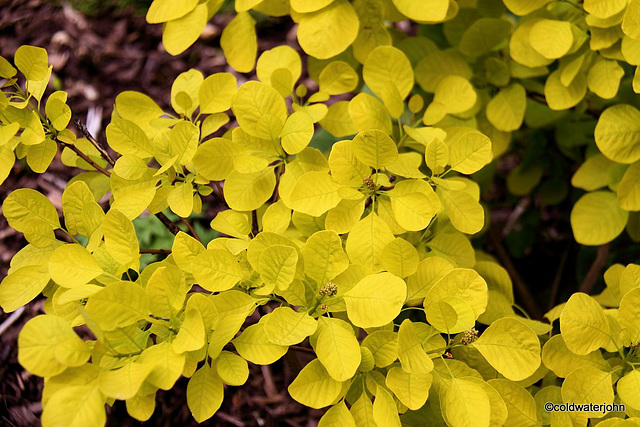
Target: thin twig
254,223
103,151
85,158
594,272
555,287
302,349
521,287
11,320
156,251
167,223
191,229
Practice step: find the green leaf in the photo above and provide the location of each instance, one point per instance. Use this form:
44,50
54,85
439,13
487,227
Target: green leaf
284,326
596,218
511,347
314,387
375,300
205,393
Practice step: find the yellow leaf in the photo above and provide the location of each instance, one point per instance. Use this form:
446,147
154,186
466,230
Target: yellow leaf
232,369
21,286
120,237
511,347
338,414
562,361
560,97
254,345
604,78
375,300
550,38
337,78
166,291
205,393
167,365
368,113
329,31
583,324
375,148
277,265
604,9
314,387
469,151
338,121
324,257
75,406
284,326
337,348
430,11
38,342
246,192
314,193
166,10
520,46
506,110
179,34
466,404
628,389
412,389
72,265
32,61
385,412
596,218
631,20
118,304
454,94
400,257
465,213
588,384
216,93
483,36
124,382
629,189
253,102
216,270
239,42
616,133
367,240
521,407
461,283
411,354
389,75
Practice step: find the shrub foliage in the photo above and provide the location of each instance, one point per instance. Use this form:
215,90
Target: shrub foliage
362,254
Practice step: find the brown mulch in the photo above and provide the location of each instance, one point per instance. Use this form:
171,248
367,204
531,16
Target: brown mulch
94,59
